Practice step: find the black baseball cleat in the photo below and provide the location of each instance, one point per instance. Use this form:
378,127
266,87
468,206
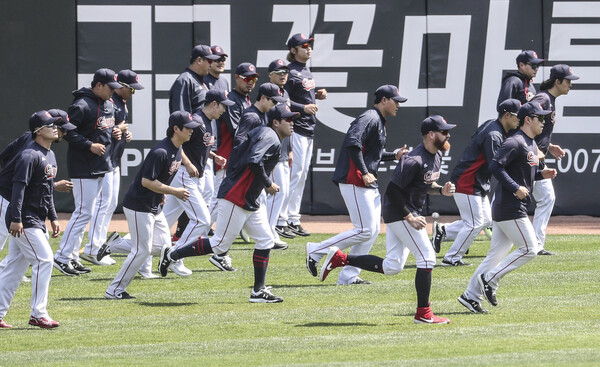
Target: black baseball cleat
439,233
222,262
311,264
360,281
298,230
122,295
79,267
456,263
105,248
164,261
66,269
284,231
264,296
471,305
279,245
488,292
545,252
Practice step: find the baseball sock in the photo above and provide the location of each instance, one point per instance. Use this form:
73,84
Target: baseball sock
423,286
182,222
366,262
260,259
197,248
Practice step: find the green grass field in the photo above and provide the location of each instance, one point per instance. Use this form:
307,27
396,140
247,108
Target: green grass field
548,314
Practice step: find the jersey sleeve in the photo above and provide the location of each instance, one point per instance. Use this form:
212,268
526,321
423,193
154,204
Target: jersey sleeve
154,164
405,172
248,122
76,115
507,153
181,97
490,147
23,172
291,86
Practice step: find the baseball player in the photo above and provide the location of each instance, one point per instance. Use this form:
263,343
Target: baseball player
256,115
247,176
245,80
518,84
197,150
278,75
472,179
301,88
213,79
30,179
107,202
88,160
515,166
356,176
414,177
143,202
557,85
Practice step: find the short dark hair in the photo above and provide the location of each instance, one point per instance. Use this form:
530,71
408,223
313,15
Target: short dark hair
170,131
378,99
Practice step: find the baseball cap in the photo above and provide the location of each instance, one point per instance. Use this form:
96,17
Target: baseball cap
272,91
182,119
218,96
217,50
203,51
281,112
529,56
130,78
41,118
63,123
389,91
106,76
277,65
246,69
509,105
435,123
532,108
562,71
298,39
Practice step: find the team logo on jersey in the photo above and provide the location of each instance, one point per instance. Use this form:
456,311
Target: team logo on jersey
105,122
533,159
308,84
174,167
50,171
208,139
430,177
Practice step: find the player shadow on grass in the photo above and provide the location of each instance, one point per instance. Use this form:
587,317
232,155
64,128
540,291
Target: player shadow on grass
68,299
302,285
466,312
326,324
167,304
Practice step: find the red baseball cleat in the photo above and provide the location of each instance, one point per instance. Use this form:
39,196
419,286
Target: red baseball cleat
4,325
43,322
424,315
335,258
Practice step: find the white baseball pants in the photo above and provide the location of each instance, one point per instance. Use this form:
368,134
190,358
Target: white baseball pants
85,193
543,193
232,218
208,182
195,208
475,214
302,148
31,248
149,233
498,262
281,177
3,230
214,202
364,208
402,239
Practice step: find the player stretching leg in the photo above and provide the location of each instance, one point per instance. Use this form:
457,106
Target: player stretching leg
515,165
239,197
414,177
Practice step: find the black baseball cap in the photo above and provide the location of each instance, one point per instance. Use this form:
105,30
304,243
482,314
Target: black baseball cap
218,96
389,91
281,112
272,91
533,108
562,71
277,65
246,69
129,78
106,76
182,119
529,56
217,50
204,52
63,123
435,123
509,105
298,39
41,118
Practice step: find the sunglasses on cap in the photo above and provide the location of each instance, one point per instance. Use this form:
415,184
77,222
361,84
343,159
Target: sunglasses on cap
280,72
49,126
249,79
128,86
533,66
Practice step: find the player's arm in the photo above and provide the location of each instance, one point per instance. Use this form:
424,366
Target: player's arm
507,90
505,155
181,93
556,151
23,172
77,114
52,213
159,187
490,146
447,190
189,166
394,194
354,143
248,122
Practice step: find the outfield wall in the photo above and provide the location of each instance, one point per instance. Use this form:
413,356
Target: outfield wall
447,57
